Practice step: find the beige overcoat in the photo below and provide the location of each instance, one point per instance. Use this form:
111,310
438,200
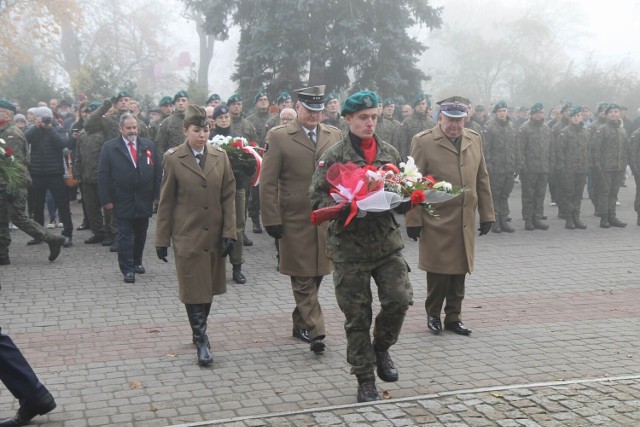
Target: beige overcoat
197,209
287,168
447,241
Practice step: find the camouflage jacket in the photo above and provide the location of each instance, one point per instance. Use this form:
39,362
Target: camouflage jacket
572,149
241,126
170,132
501,150
368,238
87,156
154,126
386,130
555,132
413,125
534,140
109,125
259,121
14,138
610,147
634,151
339,123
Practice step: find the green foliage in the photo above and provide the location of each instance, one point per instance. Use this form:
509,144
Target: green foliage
29,87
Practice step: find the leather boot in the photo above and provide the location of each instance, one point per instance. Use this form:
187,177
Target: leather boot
528,225
367,391
246,241
386,369
569,224
504,225
539,225
496,227
604,221
615,222
197,314
238,277
256,224
576,220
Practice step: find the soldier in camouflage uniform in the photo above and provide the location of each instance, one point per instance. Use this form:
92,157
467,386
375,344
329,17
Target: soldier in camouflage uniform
171,130
369,246
214,100
260,118
469,123
414,124
592,185
572,164
501,155
13,201
555,188
534,140
386,126
610,161
166,109
634,163
332,113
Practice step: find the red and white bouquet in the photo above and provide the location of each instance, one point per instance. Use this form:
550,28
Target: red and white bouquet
237,149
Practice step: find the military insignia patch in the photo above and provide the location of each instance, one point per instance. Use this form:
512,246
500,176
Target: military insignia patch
367,102
171,150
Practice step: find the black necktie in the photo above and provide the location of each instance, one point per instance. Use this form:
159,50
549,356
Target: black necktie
199,157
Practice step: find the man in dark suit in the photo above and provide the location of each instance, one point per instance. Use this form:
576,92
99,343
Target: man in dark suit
129,175
22,382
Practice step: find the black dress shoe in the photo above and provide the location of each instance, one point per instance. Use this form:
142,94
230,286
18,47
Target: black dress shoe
317,344
25,413
54,247
34,242
129,278
434,324
301,334
139,269
83,226
386,369
457,327
96,238
68,242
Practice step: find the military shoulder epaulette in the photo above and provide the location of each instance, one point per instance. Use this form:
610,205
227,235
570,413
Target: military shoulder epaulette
473,131
331,126
424,132
171,150
218,148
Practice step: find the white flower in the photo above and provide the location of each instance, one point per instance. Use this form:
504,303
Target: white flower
2,141
409,169
220,140
2,150
443,186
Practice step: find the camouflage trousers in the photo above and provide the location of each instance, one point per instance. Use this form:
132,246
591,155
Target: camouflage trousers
501,187
534,188
101,225
352,283
14,211
571,186
236,256
605,191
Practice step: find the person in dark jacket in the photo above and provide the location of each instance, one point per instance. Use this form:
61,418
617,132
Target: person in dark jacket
129,175
47,140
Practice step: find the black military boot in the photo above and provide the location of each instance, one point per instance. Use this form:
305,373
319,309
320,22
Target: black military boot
504,224
576,220
54,247
257,228
386,369
604,221
615,222
246,241
197,314
539,225
528,225
238,277
496,227
367,391
569,223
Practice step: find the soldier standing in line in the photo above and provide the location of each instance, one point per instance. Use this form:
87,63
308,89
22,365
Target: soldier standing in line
610,161
414,124
332,113
634,163
554,188
289,163
170,132
166,109
592,184
369,246
282,101
214,100
534,140
469,123
480,115
501,155
572,161
386,126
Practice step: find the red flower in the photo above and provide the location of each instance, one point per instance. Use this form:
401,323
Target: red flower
431,179
417,197
8,152
369,168
253,144
237,144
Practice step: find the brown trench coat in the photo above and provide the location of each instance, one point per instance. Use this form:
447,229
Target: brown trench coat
197,209
447,241
287,168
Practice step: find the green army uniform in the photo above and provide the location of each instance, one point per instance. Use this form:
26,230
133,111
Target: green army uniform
414,124
155,125
339,123
634,164
273,121
170,132
110,125
471,124
243,127
259,121
572,161
555,189
386,129
595,190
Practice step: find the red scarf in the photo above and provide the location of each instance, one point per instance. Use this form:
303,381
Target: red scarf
370,149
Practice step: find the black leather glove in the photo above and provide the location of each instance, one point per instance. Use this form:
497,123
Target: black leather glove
226,246
162,253
485,227
414,232
403,207
344,213
274,231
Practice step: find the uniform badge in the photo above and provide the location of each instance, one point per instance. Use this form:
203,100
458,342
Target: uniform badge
367,102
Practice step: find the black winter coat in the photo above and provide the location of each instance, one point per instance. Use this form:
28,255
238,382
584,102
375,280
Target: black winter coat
46,150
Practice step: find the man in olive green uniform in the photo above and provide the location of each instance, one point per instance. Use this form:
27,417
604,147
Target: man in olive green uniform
332,113
634,163
469,123
534,140
214,100
555,189
166,109
572,161
170,132
414,124
609,161
592,185
501,155
283,101
13,201
260,118
369,246
386,126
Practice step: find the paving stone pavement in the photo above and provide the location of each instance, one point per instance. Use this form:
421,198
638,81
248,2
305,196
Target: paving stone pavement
554,317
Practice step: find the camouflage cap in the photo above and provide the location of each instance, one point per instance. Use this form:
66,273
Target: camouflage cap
388,101
180,94
612,106
359,101
575,111
122,94
536,108
311,97
213,97
455,107
195,115
165,100
260,94
234,98
7,105
283,97
499,105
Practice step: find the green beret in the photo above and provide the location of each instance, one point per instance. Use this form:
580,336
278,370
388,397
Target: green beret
421,97
566,107
612,106
166,100
330,97
388,101
213,97
180,94
92,107
283,97
7,105
122,94
536,107
234,98
359,101
602,106
259,95
195,115
499,105
575,111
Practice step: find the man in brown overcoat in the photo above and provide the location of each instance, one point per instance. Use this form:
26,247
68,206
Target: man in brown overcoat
451,153
287,167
